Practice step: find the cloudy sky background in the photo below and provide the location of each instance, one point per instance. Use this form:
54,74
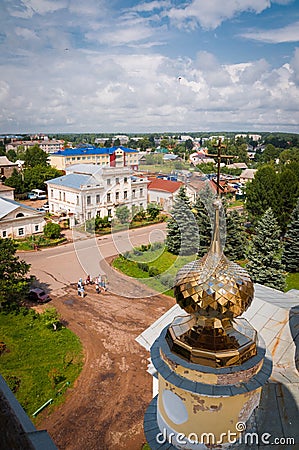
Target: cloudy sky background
135,66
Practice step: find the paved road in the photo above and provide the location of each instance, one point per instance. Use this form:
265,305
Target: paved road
58,267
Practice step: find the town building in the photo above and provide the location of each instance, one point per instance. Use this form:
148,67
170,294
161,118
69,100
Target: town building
89,190
247,175
18,220
7,192
163,192
6,167
112,157
47,145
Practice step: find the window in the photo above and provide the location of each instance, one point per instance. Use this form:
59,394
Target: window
88,200
116,180
109,212
116,195
64,196
4,234
98,198
125,195
59,195
141,192
108,181
77,200
52,193
88,215
108,197
125,180
134,193
36,228
20,215
21,231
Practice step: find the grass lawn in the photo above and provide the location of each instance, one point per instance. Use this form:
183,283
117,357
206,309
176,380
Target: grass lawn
38,363
292,281
166,263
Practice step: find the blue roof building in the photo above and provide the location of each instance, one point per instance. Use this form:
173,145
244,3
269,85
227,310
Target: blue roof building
112,157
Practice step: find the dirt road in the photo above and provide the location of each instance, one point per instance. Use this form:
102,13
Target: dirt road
105,408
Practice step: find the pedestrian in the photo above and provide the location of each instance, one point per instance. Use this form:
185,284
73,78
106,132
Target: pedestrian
104,282
97,288
82,292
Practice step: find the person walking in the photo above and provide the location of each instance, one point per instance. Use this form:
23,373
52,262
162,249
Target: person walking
82,291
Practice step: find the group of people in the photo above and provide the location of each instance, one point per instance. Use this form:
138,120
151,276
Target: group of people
100,282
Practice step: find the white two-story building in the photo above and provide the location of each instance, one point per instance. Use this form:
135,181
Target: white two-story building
88,190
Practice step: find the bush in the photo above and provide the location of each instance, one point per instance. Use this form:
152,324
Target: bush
156,246
52,230
153,271
51,318
143,266
167,280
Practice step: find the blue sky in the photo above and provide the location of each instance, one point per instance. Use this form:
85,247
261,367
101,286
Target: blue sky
146,66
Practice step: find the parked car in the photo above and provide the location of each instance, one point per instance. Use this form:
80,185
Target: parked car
46,207
40,195
38,295
32,196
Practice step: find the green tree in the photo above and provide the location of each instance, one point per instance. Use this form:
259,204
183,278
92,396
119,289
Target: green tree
52,230
236,238
14,284
261,192
290,255
35,177
264,254
16,181
182,230
288,191
35,156
204,224
122,213
270,153
153,210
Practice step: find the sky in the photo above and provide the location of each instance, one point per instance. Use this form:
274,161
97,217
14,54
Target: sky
126,66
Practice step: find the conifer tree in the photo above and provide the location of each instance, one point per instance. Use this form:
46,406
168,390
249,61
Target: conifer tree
291,247
203,220
236,238
182,229
264,255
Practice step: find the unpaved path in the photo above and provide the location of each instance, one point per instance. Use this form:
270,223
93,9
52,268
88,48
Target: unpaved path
105,408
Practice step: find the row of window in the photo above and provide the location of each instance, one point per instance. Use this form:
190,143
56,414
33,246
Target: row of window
62,196
21,231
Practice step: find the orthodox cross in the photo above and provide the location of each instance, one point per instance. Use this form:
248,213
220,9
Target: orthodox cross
219,146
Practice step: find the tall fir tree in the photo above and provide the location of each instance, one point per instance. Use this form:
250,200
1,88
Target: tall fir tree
236,238
291,247
264,255
182,229
201,211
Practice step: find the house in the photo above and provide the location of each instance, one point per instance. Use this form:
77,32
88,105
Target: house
200,157
237,165
6,167
247,175
7,192
171,157
112,157
18,220
163,192
89,190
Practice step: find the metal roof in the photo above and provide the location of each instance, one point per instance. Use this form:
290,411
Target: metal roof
79,151
72,180
7,206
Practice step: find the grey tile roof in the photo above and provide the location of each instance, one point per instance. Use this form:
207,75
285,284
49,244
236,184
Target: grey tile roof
72,180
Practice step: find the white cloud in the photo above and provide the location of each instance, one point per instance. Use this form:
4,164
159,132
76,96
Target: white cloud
289,33
210,14
27,8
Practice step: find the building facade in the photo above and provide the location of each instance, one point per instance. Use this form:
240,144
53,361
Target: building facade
88,190
112,157
18,220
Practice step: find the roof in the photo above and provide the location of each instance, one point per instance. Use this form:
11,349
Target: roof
4,161
4,188
7,206
237,165
248,173
72,180
158,184
86,169
91,150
